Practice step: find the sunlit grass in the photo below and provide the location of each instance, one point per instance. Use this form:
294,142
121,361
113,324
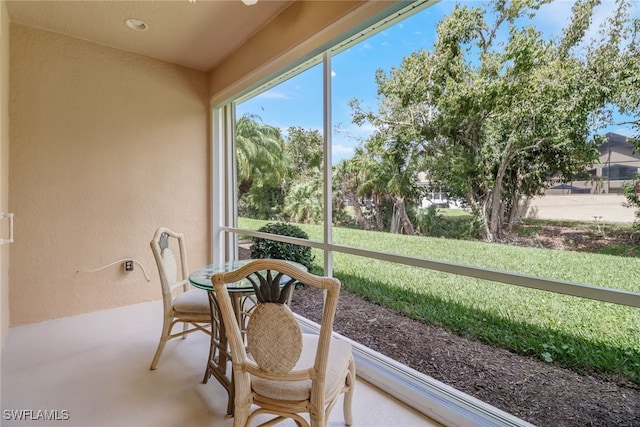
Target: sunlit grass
576,332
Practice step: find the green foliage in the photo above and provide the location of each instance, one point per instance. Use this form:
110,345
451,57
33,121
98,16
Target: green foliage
631,249
266,248
633,200
259,154
436,222
262,201
303,202
304,150
576,333
492,120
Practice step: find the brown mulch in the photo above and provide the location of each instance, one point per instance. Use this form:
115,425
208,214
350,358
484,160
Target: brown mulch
531,389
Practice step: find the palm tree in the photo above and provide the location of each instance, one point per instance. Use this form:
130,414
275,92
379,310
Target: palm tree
303,202
259,153
390,167
347,179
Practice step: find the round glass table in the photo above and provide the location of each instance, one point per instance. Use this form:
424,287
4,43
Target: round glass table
201,278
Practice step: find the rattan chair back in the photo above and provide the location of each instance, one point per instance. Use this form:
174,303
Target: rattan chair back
279,370
181,302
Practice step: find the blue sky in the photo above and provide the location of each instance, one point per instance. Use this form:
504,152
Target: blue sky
298,101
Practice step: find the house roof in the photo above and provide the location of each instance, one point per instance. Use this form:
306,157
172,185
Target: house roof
618,144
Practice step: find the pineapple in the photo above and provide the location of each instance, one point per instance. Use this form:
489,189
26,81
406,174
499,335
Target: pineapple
274,338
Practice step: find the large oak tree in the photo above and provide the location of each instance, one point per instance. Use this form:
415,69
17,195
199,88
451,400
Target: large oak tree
495,109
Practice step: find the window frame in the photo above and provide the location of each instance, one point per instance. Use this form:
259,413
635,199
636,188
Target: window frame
427,395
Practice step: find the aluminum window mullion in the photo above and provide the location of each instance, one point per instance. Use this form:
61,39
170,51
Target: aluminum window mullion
328,167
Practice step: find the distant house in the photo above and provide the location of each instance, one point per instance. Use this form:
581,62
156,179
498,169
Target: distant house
435,196
619,162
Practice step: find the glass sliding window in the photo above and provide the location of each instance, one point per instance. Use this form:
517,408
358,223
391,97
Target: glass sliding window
279,152
410,226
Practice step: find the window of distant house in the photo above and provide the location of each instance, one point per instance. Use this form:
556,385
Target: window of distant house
619,172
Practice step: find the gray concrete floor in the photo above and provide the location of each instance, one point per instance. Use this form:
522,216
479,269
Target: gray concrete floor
94,370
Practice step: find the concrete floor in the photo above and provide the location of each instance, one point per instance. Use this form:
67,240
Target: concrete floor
93,370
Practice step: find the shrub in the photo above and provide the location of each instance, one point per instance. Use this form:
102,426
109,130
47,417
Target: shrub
433,222
266,248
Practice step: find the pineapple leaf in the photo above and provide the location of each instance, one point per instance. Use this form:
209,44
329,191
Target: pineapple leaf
275,287
269,289
256,289
285,291
264,289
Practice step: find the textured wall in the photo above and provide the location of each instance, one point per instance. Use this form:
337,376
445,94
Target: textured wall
4,167
105,146
581,207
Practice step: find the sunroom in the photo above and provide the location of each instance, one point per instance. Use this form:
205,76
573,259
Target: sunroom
109,133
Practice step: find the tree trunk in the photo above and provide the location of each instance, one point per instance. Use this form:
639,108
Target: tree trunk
401,221
352,197
244,187
517,204
486,219
378,212
357,209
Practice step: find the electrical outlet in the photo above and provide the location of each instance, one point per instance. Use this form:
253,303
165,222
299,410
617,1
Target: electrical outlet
128,265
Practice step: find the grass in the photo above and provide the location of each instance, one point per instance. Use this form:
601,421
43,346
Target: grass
577,333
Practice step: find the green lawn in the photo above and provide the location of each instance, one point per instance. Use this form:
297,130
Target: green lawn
578,333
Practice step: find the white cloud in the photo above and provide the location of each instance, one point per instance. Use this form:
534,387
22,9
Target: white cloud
273,94
340,152
553,17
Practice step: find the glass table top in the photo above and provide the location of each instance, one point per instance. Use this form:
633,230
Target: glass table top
201,278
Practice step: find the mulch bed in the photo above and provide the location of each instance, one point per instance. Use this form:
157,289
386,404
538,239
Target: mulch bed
540,393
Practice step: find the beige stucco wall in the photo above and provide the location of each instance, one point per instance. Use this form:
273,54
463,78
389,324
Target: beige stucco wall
4,168
105,146
581,207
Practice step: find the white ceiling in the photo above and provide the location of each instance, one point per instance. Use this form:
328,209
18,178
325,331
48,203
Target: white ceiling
197,34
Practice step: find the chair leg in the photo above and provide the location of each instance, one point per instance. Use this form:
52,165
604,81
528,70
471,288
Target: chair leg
347,403
241,416
185,326
164,337
318,421
212,351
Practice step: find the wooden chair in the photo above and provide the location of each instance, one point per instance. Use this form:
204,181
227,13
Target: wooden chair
182,303
282,371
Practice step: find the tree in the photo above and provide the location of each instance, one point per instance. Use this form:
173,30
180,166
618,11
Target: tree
370,185
346,180
494,119
390,162
303,202
259,153
632,190
304,153
304,149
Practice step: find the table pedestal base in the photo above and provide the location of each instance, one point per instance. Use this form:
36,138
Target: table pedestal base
218,363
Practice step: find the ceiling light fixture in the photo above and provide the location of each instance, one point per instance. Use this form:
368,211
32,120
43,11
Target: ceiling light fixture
136,24
249,2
